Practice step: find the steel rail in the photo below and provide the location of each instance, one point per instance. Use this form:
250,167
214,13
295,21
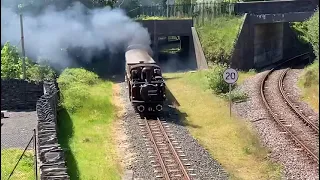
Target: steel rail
291,105
262,85
163,167
185,173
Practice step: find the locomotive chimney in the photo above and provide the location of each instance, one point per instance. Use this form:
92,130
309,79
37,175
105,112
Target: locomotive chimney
147,71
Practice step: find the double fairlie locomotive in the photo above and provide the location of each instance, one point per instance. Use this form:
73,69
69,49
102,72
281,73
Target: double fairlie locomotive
144,79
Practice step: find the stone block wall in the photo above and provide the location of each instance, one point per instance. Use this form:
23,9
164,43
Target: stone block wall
17,94
51,157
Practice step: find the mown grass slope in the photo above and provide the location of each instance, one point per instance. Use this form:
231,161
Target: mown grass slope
231,141
85,126
218,37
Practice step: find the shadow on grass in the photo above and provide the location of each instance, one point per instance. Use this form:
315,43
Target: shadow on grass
171,78
65,133
173,114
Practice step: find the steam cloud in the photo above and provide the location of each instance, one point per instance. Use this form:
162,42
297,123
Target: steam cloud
48,34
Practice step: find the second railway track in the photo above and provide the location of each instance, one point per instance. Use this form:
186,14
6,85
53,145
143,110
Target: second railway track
292,105
303,131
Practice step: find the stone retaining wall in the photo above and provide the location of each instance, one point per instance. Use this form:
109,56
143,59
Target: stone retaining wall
50,155
18,94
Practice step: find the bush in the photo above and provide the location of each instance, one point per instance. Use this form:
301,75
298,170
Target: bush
218,38
236,96
215,79
75,96
75,84
76,75
308,32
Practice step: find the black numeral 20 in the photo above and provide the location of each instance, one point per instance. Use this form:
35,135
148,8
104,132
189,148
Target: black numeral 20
232,75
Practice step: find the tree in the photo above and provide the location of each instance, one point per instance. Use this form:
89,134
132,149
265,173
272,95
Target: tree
11,66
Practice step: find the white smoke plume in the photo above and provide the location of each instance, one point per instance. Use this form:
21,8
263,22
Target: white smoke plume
50,33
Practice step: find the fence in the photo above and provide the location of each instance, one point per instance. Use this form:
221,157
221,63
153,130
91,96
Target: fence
20,164
198,11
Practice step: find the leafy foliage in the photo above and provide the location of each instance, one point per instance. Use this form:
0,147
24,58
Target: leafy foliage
76,75
75,84
236,95
218,38
11,63
215,79
11,66
308,32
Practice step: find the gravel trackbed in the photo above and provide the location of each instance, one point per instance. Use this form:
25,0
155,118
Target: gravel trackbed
204,166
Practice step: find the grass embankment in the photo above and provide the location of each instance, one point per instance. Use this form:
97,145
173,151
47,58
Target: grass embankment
308,32
309,84
144,17
85,126
25,168
231,141
218,36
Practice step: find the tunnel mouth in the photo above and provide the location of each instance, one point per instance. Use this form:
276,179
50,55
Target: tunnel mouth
175,54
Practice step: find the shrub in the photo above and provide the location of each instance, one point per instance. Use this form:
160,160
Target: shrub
75,96
236,96
215,79
308,32
76,75
75,84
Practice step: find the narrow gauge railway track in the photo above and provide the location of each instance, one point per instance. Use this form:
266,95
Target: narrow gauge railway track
292,105
169,161
282,121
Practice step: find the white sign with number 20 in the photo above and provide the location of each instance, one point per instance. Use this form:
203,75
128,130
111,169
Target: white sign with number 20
230,76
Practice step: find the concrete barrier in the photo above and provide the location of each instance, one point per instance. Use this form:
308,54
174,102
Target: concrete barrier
200,57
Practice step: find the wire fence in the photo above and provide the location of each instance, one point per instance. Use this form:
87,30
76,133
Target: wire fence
20,163
199,12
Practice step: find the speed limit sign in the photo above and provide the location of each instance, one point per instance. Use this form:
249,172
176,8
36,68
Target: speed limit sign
230,76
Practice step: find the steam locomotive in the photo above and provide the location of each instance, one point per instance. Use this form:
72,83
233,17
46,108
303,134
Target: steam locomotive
144,79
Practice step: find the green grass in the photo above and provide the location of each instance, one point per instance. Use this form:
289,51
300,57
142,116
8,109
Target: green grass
25,168
85,126
231,141
218,36
309,84
144,17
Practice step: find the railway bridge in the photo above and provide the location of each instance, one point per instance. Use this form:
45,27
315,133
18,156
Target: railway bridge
160,32
266,37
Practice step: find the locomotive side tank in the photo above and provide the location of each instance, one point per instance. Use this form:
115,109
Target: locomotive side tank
144,79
